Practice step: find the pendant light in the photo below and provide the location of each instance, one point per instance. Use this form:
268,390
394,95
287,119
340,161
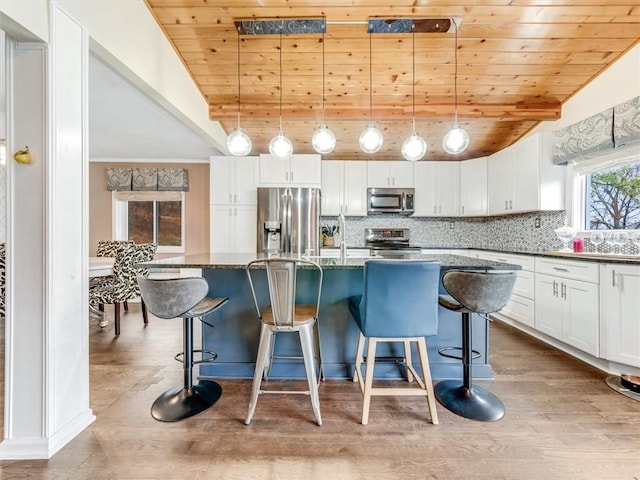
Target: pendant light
323,140
414,147
371,138
280,147
456,140
239,143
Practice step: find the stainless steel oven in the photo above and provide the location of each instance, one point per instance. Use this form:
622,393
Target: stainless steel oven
389,241
390,200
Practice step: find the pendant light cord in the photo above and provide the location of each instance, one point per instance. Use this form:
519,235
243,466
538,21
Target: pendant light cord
370,81
281,79
455,75
238,80
323,92
413,74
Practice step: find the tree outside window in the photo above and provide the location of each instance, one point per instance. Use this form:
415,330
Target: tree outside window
613,199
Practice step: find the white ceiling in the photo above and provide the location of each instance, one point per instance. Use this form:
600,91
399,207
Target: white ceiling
124,123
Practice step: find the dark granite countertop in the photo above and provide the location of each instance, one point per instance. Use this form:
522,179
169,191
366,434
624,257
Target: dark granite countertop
239,260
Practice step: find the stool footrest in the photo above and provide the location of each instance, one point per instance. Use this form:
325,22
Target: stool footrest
474,353
212,356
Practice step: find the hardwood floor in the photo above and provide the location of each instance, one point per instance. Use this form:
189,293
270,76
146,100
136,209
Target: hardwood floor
562,422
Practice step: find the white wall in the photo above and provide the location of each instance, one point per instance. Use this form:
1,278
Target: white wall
25,20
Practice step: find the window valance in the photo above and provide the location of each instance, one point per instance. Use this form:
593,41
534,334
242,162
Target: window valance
599,134
148,179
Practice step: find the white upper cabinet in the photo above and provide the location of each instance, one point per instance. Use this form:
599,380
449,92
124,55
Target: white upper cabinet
523,178
344,188
233,180
390,174
473,187
437,189
300,170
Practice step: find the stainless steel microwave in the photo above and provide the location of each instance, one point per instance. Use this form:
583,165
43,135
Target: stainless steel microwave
390,200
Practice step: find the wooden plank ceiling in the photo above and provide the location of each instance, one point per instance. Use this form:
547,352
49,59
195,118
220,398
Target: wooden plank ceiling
518,61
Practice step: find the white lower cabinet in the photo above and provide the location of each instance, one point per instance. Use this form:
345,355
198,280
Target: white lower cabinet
620,313
233,228
567,302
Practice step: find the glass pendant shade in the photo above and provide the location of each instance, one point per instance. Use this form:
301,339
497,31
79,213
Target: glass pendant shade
456,140
371,139
414,147
280,147
239,143
323,140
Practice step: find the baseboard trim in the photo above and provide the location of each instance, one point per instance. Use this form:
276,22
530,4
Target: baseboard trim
44,448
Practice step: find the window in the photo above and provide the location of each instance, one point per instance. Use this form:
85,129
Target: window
146,217
612,200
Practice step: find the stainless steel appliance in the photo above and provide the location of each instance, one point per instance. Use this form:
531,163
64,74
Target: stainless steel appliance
390,200
389,240
288,220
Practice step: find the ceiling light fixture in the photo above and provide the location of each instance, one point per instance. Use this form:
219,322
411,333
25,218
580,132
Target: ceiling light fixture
414,147
323,140
371,138
456,140
238,142
280,147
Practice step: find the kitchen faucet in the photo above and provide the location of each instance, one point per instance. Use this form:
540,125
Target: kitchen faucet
343,235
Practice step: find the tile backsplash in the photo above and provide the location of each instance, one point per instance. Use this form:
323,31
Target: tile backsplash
510,233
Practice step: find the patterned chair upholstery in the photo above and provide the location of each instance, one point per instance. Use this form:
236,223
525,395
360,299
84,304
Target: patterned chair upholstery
124,285
108,248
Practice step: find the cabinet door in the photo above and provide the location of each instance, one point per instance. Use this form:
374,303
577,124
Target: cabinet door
221,225
520,309
378,174
499,182
525,157
273,171
355,189
245,236
425,189
221,180
548,316
448,184
332,188
580,322
401,173
473,187
245,180
305,170
620,313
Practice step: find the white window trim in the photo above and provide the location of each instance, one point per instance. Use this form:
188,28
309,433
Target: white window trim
579,172
119,216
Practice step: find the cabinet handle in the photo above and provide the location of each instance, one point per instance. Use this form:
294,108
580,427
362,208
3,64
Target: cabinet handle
292,176
440,209
506,204
613,278
555,288
561,269
502,260
564,290
510,204
393,181
435,209
463,209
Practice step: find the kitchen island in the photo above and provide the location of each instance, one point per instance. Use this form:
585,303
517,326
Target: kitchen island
235,332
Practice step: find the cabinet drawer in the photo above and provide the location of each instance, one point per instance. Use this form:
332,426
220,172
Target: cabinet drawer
520,309
525,284
584,271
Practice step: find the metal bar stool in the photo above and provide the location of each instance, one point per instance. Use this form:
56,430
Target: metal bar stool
186,298
472,292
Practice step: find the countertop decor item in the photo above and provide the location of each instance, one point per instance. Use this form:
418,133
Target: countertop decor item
566,234
23,156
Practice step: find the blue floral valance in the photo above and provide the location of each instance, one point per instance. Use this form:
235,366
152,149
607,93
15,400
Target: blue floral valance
599,134
148,179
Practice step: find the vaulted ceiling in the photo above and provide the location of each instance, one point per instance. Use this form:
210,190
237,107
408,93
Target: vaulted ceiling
518,61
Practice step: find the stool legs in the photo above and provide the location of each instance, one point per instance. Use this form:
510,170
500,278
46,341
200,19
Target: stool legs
468,400
187,400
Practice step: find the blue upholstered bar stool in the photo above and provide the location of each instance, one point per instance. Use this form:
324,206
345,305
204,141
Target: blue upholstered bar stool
473,292
399,304
186,298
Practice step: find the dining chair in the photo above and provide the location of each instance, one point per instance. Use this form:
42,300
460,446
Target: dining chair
399,303
186,298
124,285
283,315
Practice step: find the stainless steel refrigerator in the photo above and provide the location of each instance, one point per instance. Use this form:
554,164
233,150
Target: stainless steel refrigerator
288,220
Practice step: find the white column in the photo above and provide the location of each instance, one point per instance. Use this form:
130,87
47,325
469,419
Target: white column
47,381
